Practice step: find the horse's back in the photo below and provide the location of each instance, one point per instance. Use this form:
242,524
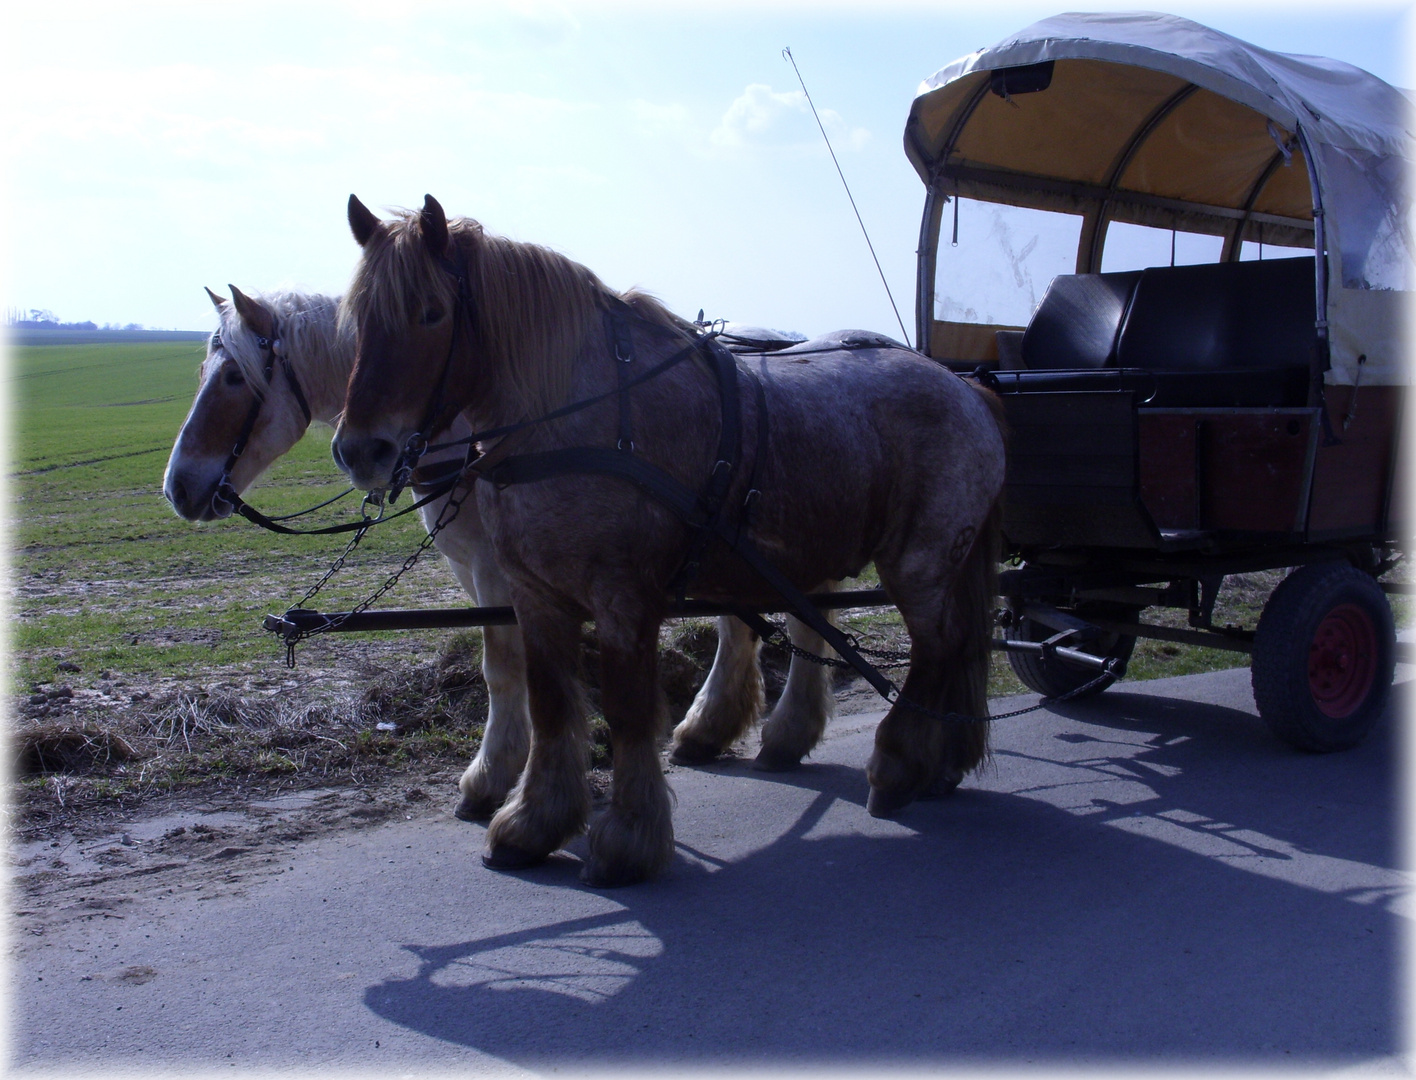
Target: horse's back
869,394
870,442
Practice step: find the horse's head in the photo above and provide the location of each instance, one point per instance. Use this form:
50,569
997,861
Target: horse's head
403,305
233,388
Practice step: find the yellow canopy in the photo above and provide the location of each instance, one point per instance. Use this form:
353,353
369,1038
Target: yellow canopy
1156,120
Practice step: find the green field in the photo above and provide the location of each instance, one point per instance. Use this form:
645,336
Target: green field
106,576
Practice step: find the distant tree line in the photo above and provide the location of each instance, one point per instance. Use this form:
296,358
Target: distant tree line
44,319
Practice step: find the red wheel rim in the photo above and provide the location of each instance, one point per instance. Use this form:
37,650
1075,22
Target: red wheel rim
1342,661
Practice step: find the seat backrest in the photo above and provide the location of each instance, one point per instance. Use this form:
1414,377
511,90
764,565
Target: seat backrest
1221,316
1078,321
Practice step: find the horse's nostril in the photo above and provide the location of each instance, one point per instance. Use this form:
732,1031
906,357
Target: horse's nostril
383,452
176,492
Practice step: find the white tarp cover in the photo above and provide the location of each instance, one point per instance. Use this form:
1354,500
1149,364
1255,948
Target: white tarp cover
1358,127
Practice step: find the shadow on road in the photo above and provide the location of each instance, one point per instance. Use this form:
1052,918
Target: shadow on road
1138,880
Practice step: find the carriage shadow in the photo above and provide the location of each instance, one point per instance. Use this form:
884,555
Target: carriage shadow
1194,924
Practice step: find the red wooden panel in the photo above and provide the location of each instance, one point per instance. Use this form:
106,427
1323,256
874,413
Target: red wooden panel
1351,478
1252,470
1168,469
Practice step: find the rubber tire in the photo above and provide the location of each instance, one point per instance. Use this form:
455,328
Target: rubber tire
1053,677
1300,680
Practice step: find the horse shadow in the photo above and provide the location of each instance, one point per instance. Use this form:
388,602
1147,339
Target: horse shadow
1239,913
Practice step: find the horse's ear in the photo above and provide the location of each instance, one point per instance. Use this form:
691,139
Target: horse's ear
363,221
253,313
433,223
216,301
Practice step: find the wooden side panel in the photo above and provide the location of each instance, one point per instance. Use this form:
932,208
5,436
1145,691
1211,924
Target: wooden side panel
1072,472
1227,470
1253,468
1353,477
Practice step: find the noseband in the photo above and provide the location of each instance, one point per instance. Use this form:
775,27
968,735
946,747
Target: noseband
225,498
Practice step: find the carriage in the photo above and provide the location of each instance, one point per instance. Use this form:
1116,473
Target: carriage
1175,423
1234,408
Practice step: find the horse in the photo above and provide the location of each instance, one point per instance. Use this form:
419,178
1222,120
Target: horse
315,362
851,456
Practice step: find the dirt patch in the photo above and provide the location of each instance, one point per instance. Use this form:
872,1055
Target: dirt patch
352,718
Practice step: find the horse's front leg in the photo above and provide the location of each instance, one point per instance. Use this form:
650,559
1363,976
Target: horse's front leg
551,801
634,838
506,737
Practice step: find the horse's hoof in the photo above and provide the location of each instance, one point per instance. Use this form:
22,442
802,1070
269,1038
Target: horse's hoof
769,759
470,809
511,857
690,752
602,877
886,804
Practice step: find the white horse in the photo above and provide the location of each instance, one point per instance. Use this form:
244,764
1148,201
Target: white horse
307,384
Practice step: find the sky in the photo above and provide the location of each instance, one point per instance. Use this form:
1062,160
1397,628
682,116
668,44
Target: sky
156,148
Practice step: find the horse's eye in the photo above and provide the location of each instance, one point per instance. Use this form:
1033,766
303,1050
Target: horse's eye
430,316
234,377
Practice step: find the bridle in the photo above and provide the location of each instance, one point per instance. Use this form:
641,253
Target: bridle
225,493
417,444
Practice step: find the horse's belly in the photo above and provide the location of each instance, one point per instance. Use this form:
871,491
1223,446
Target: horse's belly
859,448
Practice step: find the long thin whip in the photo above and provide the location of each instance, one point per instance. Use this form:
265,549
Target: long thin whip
787,53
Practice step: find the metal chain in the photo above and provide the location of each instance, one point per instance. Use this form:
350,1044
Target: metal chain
446,516
892,657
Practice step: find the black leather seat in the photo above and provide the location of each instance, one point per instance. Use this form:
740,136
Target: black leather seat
1221,317
1214,335
1078,322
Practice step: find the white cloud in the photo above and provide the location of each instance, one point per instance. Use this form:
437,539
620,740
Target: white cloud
761,116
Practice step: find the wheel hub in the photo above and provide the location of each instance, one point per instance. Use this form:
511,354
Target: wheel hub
1342,661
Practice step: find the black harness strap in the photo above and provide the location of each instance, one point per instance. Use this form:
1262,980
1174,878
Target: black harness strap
754,493
698,515
618,331
255,517
701,511
715,492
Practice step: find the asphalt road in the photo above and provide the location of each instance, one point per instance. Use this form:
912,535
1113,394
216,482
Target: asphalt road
1146,879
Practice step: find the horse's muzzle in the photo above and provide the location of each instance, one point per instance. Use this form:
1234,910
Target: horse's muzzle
367,459
194,499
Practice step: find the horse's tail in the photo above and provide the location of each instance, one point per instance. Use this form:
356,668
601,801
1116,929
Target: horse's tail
995,407
975,596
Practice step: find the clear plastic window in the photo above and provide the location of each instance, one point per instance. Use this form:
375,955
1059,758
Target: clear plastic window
1135,247
1251,251
1003,261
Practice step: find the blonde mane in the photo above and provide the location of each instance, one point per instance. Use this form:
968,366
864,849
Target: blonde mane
309,335
533,308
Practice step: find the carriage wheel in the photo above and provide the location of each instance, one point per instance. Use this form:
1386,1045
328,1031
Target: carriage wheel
1324,655
1053,676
